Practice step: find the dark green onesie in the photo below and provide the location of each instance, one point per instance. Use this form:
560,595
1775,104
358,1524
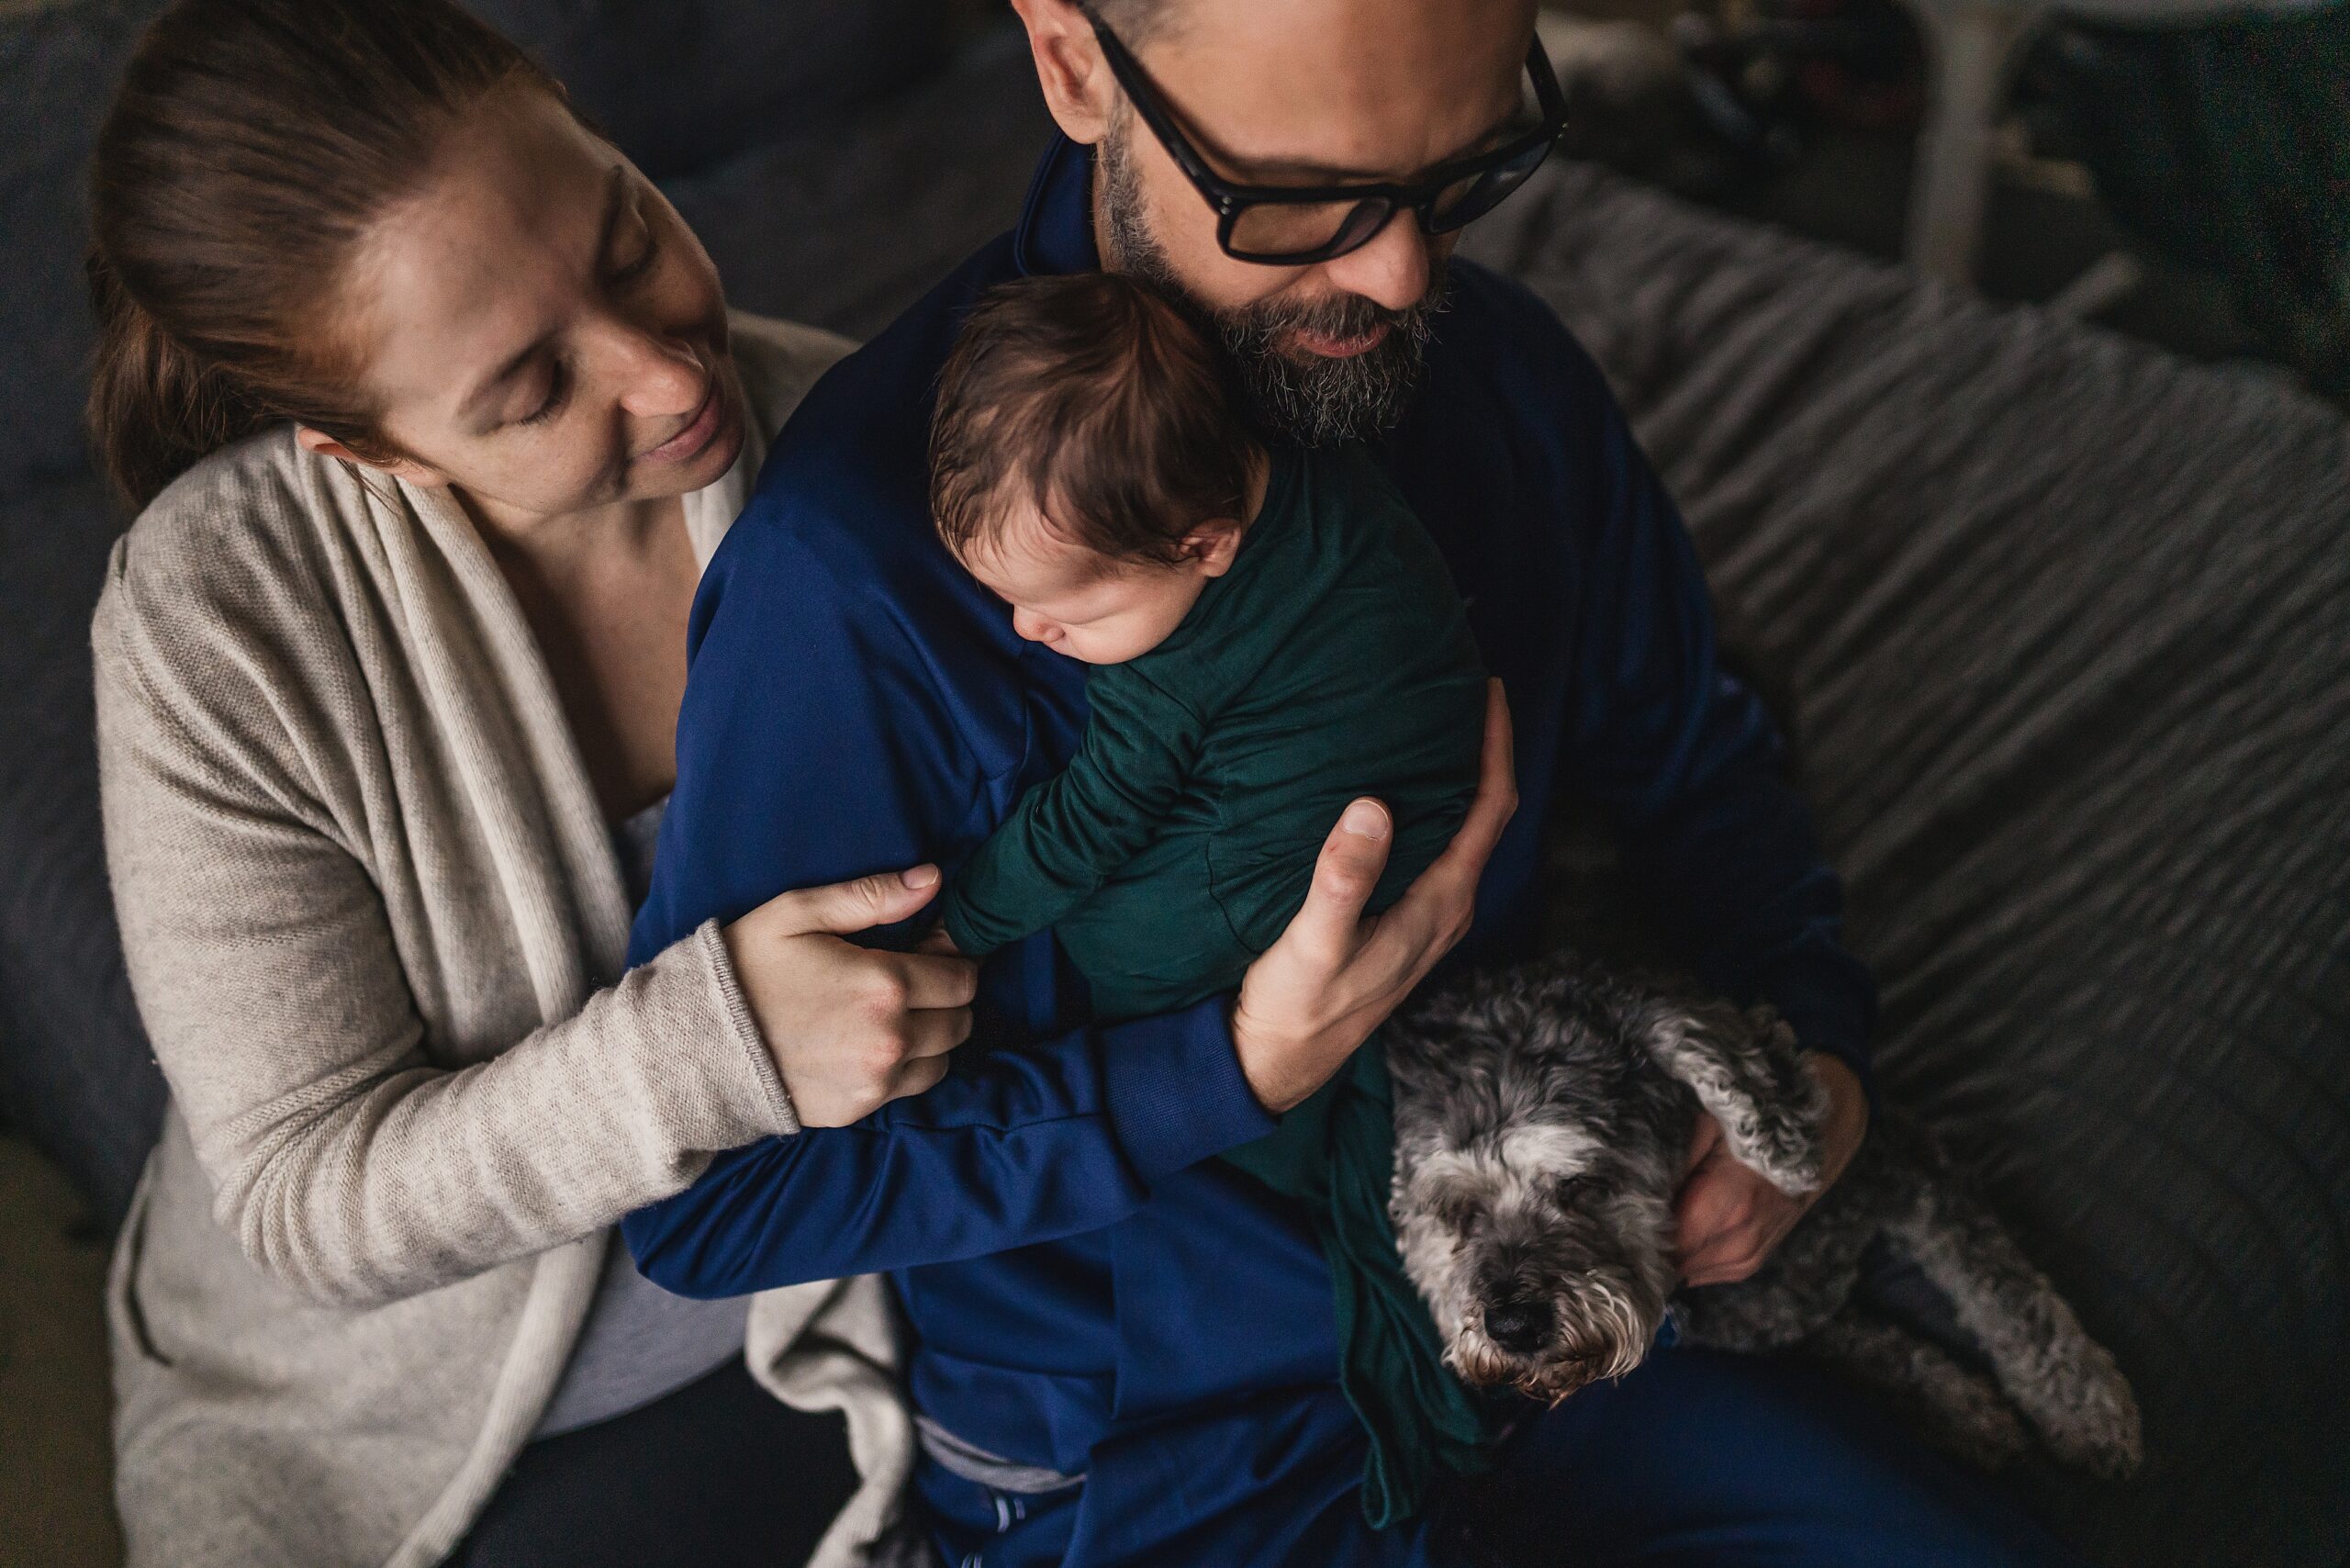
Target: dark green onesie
1333,660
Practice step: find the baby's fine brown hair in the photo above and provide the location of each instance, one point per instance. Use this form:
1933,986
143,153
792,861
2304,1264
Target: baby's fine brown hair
1094,399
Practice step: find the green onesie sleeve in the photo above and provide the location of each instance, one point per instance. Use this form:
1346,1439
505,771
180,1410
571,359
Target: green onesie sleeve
1071,832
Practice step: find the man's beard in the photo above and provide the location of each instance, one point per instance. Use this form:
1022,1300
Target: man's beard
1313,399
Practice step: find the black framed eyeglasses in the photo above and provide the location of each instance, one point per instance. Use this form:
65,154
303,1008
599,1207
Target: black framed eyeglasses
1298,225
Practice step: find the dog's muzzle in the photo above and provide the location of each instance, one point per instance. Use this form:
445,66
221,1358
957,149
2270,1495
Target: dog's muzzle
1518,1324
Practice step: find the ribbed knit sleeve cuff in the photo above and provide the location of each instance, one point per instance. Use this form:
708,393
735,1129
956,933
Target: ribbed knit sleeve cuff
1175,1090
744,1028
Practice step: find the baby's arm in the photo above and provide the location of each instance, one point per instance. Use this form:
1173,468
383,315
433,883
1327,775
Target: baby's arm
1069,833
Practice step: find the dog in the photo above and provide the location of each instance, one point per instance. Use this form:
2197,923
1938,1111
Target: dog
1543,1121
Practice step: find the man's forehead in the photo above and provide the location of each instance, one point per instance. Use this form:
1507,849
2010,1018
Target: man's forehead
1368,88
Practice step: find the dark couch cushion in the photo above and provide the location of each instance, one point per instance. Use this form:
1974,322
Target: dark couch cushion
75,1071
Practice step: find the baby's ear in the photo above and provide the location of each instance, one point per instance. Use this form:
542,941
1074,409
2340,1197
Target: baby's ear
1212,544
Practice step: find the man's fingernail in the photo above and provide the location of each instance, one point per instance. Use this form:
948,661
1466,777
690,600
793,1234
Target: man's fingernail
1364,821
920,877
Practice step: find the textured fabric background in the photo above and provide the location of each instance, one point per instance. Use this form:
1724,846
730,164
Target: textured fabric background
2065,627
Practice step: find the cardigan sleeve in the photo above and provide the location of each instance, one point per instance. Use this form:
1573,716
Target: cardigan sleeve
347,1159
1071,832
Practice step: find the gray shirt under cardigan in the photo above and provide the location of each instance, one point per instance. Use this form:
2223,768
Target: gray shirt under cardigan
639,1342
375,925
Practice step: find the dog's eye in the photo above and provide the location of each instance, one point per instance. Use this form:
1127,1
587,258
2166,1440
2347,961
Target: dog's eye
1463,1218
1571,1191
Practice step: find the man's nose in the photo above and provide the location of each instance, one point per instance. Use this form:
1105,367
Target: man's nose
1392,268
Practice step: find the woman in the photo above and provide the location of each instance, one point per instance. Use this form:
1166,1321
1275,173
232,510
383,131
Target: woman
435,411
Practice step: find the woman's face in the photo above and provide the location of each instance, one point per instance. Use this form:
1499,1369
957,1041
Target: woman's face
537,327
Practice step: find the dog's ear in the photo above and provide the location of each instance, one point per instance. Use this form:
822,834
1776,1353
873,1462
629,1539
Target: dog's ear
1745,1070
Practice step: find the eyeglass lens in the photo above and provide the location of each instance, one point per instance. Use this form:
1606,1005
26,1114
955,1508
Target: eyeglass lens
1328,229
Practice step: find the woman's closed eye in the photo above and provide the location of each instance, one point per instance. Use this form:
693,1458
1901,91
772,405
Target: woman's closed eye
558,393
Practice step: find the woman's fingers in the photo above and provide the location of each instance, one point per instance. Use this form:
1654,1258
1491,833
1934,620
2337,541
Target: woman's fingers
917,1075
934,980
859,904
935,1034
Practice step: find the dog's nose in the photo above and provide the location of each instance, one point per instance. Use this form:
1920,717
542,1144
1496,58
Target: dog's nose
1517,1325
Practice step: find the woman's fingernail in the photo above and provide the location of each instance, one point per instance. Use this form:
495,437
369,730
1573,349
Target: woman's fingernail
920,877
1365,820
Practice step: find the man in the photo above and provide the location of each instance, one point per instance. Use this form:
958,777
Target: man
1123,1350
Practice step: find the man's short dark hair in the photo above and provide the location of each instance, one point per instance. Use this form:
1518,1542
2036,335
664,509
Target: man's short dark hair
1094,398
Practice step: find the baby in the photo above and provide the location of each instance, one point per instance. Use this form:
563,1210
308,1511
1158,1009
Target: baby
1272,635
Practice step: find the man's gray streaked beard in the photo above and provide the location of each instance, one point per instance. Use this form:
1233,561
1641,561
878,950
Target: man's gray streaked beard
1313,400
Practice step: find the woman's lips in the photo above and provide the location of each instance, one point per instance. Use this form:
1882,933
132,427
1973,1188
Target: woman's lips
1329,347
694,440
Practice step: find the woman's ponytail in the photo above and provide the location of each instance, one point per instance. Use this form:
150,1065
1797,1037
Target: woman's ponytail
251,147
155,409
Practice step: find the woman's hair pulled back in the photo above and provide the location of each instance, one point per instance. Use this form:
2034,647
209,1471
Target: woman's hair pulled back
252,145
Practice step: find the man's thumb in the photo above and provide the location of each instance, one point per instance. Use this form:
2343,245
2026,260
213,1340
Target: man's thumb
863,903
1343,876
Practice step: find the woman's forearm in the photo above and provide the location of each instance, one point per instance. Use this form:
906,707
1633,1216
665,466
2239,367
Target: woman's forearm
353,1154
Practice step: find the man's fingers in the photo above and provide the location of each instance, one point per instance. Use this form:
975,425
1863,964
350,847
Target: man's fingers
1701,1147
935,1034
1348,869
1496,801
861,904
933,980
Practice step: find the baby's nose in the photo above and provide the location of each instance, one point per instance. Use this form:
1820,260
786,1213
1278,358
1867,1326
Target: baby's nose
1035,628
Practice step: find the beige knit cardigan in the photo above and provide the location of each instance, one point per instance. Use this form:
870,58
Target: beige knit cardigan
375,925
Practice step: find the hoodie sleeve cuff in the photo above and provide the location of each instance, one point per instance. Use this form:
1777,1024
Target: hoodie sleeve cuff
1175,1090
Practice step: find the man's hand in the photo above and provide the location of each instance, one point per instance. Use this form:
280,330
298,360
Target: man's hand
1731,1218
1334,974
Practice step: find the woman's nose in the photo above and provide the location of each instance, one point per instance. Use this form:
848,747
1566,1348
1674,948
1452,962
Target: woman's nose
660,377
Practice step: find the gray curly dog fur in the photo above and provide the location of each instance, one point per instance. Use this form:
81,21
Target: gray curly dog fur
1543,1116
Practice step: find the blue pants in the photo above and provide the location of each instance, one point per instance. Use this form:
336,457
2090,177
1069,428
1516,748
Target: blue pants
1698,1459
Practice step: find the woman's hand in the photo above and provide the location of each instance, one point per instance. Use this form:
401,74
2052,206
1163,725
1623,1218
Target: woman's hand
1728,1218
1335,974
850,1029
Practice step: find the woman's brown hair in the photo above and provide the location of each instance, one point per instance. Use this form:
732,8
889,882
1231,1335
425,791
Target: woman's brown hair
251,146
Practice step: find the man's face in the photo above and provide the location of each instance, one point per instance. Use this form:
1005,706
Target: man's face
1303,91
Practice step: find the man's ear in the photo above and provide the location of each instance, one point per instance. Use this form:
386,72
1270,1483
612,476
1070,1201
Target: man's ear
1079,88
406,470
1212,544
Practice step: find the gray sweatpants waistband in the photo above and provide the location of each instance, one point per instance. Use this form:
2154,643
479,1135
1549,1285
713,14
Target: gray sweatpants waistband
981,1468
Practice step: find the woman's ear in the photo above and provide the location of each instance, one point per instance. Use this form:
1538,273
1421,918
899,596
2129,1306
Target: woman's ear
1212,544
1079,88
406,470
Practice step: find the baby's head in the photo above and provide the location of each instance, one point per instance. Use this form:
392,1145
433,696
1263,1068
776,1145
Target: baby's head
1089,463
